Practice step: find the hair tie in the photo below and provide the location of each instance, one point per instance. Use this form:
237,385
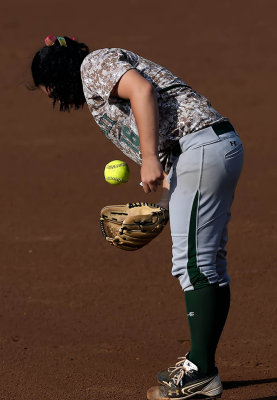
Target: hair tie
62,41
50,40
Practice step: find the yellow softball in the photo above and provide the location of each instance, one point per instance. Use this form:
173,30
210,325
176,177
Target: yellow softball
116,172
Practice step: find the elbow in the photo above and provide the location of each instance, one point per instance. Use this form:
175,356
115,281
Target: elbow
148,88
144,90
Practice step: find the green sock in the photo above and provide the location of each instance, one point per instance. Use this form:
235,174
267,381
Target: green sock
202,314
207,310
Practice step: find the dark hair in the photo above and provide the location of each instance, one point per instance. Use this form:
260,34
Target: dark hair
58,69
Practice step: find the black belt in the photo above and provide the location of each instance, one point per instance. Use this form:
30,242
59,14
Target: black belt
219,128
222,127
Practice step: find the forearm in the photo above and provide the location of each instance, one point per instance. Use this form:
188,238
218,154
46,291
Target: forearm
142,97
145,109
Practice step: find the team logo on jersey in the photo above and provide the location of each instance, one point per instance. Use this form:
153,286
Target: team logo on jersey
106,123
126,134
130,138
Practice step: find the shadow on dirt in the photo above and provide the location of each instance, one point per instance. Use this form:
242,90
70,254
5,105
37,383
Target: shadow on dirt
266,398
237,384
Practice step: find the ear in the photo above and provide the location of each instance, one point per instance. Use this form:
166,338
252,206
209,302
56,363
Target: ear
45,91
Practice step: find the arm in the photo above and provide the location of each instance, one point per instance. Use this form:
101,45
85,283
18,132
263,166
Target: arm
140,92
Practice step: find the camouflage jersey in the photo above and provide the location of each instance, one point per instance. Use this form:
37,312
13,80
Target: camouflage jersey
182,111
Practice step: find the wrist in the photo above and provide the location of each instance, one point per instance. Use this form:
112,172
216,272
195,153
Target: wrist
150,157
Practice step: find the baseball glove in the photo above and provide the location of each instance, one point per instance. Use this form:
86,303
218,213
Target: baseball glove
133,225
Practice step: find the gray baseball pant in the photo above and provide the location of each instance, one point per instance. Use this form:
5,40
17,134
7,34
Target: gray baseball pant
203,179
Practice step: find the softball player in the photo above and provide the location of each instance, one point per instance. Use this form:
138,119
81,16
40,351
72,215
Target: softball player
181,143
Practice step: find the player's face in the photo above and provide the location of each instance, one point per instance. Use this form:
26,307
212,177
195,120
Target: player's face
48,93
45,91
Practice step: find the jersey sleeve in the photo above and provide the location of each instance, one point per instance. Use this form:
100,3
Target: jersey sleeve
102,69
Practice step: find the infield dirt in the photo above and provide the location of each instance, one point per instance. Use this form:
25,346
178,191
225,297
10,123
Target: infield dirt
80,320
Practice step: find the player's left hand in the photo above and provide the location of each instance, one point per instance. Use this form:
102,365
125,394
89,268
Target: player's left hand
151,174
133,225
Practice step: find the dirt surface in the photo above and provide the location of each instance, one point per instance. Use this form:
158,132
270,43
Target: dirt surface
80,320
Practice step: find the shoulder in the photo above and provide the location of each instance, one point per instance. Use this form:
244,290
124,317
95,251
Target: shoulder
107,56
103,68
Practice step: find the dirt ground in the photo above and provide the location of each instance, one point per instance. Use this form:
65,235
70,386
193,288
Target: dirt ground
80,320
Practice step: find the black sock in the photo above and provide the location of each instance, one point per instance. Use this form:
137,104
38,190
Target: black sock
223,305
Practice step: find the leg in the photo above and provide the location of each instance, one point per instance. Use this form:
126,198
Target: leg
223,303
202,189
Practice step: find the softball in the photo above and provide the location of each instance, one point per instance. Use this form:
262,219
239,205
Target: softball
116,172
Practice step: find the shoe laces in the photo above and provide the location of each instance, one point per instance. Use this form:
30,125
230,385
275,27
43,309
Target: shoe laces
178,372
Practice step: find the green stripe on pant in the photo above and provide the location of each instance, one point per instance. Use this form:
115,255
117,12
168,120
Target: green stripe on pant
197,279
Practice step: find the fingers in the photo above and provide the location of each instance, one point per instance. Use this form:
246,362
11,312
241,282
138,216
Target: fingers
151,174
152,186
146,188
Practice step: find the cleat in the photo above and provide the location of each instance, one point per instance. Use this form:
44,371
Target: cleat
164,376
186,382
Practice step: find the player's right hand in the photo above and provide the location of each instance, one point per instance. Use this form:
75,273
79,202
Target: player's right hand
151,173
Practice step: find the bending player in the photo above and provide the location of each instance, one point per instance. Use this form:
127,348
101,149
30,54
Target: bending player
172,131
